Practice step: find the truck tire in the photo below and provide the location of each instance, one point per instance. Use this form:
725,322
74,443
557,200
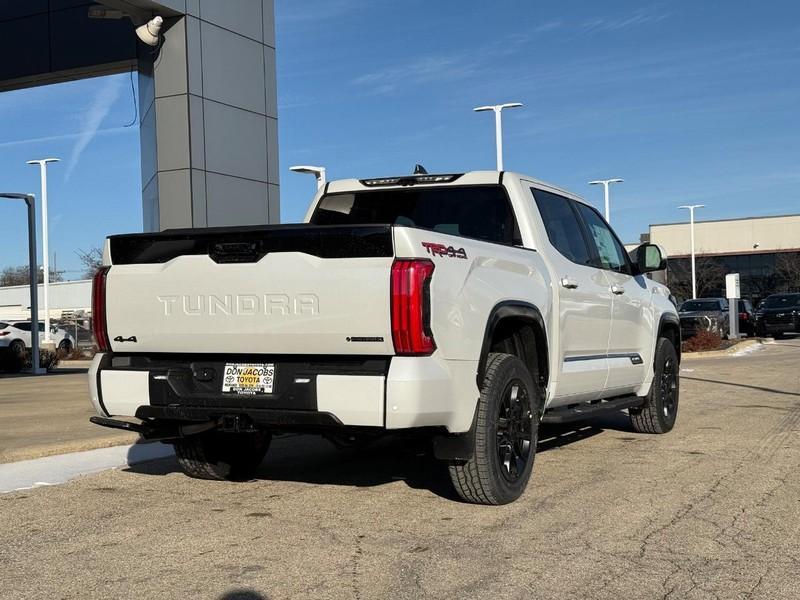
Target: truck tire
506,432
222,456
660,408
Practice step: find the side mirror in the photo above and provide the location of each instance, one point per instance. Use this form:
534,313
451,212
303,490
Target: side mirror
649,258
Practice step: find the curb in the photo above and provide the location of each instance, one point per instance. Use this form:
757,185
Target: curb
54,470
732,351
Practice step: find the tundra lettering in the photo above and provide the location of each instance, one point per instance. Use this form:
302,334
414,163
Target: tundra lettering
241,305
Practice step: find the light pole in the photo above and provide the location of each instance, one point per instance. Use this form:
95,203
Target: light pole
498,126
30,200
317,172
691,208
45,243
606,183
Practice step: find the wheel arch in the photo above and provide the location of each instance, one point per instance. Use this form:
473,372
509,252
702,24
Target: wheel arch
669,326
516,327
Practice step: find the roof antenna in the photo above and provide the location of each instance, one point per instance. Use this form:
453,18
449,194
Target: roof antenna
420,170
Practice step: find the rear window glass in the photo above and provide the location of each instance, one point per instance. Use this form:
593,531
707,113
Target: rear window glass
782,301
23,326
701,305
3,325
480,212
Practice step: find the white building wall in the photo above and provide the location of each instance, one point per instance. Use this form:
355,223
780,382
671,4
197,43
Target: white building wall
734,236
15,301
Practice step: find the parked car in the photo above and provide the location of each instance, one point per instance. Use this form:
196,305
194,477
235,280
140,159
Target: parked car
465,308
778,315
747,318
15,337
709,314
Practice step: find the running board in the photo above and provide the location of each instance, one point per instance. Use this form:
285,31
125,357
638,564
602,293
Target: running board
586,410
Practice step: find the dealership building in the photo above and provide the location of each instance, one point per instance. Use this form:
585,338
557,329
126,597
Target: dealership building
765,251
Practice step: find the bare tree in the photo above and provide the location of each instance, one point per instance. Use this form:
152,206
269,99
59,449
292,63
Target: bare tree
19,276
787,265
91,259
709,273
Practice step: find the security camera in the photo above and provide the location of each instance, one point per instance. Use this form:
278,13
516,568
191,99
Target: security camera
756,245
150,32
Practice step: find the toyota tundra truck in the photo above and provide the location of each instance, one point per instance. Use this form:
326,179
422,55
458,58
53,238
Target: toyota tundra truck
466,308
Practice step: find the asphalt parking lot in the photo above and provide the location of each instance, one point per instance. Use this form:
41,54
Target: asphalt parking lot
708,511
49,415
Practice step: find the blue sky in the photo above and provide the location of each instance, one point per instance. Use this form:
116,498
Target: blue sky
688,101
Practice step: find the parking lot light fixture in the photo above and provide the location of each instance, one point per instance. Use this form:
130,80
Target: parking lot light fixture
606,183
30,200
498,126
690,208
317,172
45,242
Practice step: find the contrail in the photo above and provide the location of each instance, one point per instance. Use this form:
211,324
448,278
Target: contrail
93,119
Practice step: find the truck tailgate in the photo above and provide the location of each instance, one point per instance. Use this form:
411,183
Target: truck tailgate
273,289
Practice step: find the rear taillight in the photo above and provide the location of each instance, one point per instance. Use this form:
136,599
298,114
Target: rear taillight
4,333
99,309
743,316
411,307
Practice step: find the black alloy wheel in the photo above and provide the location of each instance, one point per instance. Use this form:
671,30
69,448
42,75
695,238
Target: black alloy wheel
514,430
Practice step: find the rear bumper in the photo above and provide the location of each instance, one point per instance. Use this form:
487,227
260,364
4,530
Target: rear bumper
309,392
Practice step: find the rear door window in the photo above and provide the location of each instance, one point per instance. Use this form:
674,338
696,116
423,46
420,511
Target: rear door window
563,226
23,326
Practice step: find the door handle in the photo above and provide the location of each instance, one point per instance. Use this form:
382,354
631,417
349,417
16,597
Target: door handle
617,289
569,283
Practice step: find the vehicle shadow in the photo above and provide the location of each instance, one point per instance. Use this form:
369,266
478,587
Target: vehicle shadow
315,460
243,594
743,385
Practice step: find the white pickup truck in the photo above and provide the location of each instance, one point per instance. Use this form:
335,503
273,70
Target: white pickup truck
467,308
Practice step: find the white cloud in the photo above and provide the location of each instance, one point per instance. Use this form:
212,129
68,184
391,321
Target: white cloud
642,16
431,69
314,11
549,26
93,118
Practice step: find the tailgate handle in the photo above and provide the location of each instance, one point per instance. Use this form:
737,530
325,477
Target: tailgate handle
235,252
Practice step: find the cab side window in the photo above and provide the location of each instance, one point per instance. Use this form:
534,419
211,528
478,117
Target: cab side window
610,253
563,226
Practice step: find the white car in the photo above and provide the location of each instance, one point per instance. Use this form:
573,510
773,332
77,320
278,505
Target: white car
16,336
466,308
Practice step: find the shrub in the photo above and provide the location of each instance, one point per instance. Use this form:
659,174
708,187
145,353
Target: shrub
13,363
704,340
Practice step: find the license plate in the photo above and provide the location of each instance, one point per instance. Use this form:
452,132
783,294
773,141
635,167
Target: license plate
250,378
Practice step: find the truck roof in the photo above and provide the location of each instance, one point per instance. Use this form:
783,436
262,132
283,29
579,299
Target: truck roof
438,179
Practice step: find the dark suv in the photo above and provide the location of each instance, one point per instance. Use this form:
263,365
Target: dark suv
709,314
747,318
778,314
